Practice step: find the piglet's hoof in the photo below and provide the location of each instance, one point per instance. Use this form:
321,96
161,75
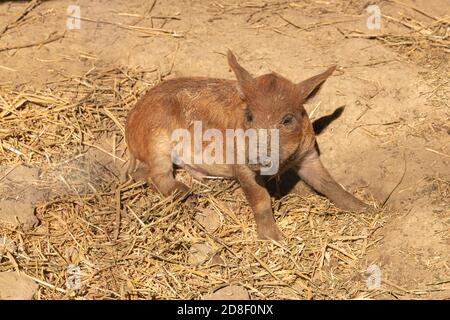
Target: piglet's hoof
360,206
354,205
269,232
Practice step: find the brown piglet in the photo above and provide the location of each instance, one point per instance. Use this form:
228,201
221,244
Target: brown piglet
268,102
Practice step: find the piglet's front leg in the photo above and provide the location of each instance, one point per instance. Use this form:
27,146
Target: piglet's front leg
259,200
314,173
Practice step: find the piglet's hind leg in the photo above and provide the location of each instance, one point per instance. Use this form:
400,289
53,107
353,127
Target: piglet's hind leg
161,174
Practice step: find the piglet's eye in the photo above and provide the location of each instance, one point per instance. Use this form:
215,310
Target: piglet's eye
288,120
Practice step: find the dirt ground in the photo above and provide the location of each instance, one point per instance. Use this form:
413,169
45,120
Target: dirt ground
64,96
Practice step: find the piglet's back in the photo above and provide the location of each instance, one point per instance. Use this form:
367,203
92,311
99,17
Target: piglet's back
177,103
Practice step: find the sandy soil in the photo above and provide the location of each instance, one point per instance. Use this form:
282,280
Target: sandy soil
391,143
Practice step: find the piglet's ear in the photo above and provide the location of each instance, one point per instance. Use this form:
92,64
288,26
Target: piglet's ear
245,80
306,87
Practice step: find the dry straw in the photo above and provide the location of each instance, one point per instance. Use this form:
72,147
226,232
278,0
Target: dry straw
129,241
